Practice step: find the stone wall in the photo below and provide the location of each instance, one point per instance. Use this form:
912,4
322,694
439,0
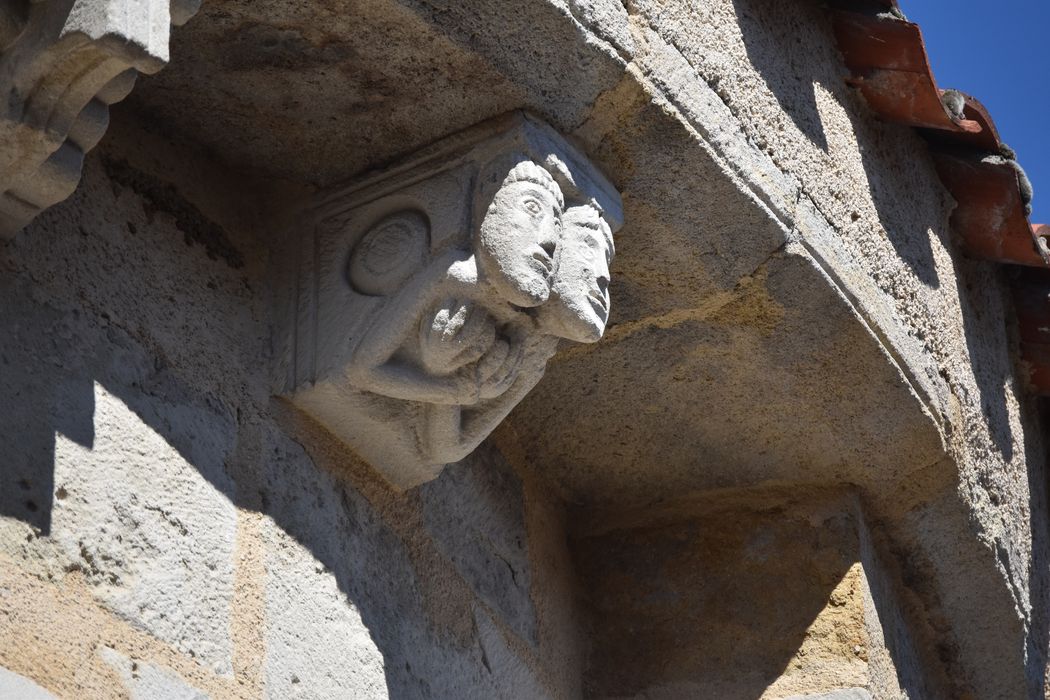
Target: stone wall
763,84
169,529
873,188
798,463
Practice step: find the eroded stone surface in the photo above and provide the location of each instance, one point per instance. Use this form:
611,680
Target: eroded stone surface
476,516
316,536
151,533
302,595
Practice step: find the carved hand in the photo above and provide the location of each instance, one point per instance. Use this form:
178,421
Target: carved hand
456,334
498,369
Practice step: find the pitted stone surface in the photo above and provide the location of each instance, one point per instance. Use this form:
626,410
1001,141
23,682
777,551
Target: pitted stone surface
144,681
101,346
288,70
151,534
312,624
476,515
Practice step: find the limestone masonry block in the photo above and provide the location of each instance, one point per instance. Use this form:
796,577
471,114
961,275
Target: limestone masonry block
144,680
152,536
13,685
429,297
62,63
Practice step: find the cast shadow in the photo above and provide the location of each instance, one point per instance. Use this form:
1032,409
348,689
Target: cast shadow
440,576
713,605
902,184
987,315
793,48
937,627
773,39
43,393
909,200
1037,453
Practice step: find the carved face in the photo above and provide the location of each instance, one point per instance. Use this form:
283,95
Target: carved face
579,305
517,239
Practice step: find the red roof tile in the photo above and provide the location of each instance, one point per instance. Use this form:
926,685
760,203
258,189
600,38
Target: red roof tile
887,59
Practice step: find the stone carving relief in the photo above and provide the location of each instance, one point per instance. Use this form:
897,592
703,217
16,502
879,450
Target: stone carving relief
62,63
429,298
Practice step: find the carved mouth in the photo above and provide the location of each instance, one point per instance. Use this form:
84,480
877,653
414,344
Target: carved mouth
545,263
598,301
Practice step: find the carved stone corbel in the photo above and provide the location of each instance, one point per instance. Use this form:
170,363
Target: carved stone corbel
62,63
429,297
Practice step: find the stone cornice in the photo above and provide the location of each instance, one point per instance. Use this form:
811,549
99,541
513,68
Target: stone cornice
62,64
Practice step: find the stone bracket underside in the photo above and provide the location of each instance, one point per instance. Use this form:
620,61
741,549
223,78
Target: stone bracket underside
425,300
62,63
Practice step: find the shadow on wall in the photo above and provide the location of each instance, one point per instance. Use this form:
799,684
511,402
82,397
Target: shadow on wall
773,35
763,593
1037,452
717,606
787,43
439,577
986,315
413,568
908,199
910,204
793,48
44,392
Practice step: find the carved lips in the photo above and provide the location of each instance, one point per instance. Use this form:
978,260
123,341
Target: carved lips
600,301
546,263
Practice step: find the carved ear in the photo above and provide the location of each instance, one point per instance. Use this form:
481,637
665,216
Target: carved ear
389,253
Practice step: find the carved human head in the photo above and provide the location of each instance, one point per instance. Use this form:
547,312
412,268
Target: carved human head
516,240
579,305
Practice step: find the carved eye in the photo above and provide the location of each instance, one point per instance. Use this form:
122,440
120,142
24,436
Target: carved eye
532,205
592,242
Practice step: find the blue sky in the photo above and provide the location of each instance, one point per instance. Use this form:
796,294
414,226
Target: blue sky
999,52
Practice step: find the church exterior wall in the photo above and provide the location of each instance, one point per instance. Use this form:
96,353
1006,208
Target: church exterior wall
799,462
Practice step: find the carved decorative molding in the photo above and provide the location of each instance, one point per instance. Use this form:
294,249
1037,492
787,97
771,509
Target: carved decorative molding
429,297
62,63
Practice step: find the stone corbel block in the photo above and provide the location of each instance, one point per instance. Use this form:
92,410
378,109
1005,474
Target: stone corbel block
62,63
425,300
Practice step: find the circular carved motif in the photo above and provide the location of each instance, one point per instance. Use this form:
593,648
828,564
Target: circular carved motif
389,253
